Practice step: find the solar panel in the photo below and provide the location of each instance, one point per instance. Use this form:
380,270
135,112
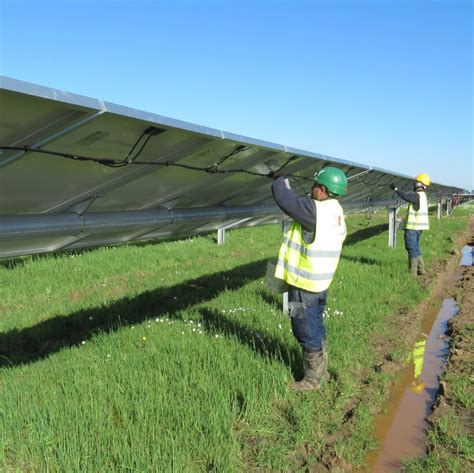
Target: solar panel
79,172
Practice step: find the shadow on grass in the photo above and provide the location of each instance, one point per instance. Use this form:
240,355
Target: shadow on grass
365,233
39,341
362,260
265,346
18,261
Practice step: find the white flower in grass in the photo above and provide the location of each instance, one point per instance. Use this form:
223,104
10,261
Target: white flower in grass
199,325
216,336
182,333
280,326
83,342
91,318
133,327
108,355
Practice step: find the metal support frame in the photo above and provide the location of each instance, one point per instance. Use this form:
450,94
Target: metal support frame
448,207
65,225
285,225
221,230
221,236
286,308
392,226
440,210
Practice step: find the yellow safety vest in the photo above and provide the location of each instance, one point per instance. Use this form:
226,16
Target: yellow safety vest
418,220
311,266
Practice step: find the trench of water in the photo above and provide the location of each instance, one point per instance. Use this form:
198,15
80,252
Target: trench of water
401,429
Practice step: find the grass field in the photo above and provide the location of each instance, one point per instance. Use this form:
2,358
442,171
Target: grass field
174,356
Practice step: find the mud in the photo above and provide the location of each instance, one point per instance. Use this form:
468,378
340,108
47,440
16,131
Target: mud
417,402
460,363
402,429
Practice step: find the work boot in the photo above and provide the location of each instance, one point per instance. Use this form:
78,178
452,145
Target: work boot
315,369
413,266
421,265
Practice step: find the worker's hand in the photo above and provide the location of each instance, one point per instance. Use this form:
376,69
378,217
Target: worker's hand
275,175
393,187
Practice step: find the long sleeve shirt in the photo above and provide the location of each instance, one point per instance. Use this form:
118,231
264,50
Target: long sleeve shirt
300,209
410,197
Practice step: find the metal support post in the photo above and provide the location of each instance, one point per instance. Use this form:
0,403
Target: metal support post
440,210
221,231
392,227
285,303
448,207
220,236
285,225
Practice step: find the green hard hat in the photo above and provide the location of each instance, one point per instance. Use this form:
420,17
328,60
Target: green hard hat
333,179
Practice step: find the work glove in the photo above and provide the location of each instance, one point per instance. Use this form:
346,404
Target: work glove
393,187
275,175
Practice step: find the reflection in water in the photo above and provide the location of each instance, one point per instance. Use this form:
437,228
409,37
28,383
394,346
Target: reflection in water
417,385
401,430
467,256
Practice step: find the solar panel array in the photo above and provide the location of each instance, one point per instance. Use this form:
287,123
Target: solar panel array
77,172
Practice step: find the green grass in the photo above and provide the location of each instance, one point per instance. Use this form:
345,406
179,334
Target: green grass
175,357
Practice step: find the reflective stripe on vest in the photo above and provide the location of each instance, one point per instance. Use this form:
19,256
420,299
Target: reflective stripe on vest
311,266
418,220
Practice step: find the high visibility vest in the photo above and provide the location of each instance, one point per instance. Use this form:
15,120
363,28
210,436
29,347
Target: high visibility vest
418,219
311,266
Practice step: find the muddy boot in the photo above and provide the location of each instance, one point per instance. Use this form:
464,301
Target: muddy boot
413,266
421,265
314,365
324,363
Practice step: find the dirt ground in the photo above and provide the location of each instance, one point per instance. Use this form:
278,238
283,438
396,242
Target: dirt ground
460,363
445,279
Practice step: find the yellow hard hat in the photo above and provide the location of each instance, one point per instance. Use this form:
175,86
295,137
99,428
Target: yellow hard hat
424,179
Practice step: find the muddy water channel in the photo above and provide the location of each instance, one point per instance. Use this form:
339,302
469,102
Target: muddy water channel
401,429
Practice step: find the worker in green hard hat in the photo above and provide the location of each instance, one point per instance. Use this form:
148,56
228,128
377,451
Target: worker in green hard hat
307,261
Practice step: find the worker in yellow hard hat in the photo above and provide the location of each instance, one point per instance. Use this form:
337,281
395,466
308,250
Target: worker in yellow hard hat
416,221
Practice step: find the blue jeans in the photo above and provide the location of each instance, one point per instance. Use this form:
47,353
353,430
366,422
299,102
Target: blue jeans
412,243
306,313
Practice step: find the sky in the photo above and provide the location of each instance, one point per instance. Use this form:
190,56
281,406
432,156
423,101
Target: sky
385,83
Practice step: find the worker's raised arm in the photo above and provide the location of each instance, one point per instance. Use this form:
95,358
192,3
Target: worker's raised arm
301,209
410,197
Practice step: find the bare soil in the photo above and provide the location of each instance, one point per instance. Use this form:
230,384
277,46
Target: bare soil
445,279
460,363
